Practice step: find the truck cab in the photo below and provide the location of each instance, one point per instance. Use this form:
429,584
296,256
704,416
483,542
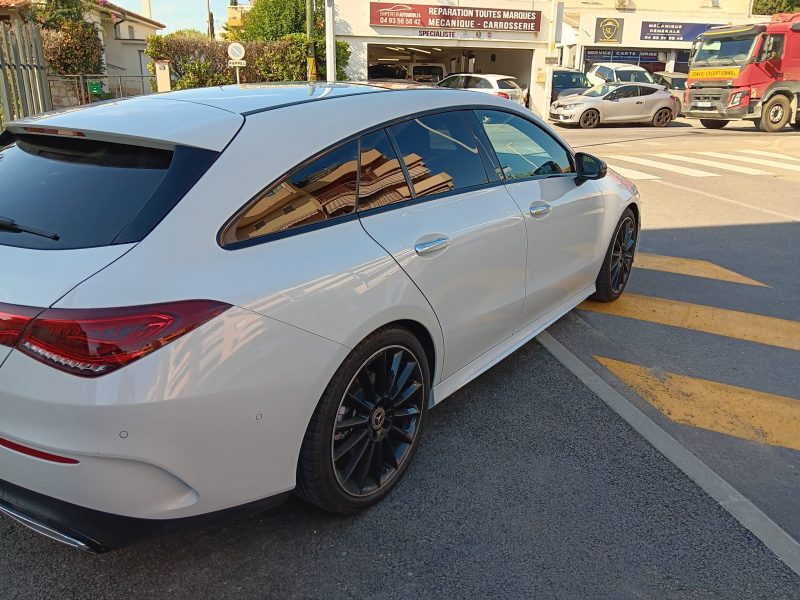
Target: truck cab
746,72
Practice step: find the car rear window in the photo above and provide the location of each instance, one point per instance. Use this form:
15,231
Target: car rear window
90,193
507,84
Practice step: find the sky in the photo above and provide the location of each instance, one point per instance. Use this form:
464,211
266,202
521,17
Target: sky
181,14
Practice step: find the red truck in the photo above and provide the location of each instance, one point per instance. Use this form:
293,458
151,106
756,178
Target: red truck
747,72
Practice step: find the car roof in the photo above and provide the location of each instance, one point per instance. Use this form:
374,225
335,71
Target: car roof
207,117
566,70
619,66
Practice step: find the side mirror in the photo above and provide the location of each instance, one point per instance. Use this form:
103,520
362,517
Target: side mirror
589,167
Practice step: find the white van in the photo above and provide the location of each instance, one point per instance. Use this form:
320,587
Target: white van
426,72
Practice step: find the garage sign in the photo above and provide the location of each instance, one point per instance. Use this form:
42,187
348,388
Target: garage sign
425,16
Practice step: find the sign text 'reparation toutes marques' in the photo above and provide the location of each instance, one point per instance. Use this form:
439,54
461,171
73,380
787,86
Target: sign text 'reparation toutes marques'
453,17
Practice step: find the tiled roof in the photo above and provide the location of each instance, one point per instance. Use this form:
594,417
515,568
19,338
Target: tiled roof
14,3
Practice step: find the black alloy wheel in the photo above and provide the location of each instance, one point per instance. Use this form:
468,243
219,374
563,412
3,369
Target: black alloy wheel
590,119
617,266
367,425
662,118
378,421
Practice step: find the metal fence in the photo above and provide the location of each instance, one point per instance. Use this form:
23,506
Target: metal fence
23,83
74,90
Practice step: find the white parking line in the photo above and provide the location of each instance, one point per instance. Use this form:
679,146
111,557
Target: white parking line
631,174
748,514
771,154
664,166
716,165
752,160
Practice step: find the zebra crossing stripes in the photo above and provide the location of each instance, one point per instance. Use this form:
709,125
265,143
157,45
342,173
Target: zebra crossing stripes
712,163
631,173
663,166
765,153
775,164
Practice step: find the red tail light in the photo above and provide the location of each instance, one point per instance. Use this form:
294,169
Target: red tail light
13,321
92,342
503,95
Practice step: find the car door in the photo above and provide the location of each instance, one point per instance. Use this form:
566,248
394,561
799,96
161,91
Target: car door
563,216
623,104
461,238
652,99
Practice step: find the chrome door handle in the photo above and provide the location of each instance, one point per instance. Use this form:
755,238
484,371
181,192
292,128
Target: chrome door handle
640,103
540,210
429,247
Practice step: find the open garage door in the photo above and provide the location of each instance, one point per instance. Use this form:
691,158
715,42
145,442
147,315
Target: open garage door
429,63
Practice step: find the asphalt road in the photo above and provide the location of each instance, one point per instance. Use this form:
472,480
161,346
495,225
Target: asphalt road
526,484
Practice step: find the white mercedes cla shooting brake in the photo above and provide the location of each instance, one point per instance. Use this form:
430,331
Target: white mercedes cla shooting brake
211,298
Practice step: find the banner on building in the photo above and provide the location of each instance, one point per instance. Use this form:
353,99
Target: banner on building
656,31
453,17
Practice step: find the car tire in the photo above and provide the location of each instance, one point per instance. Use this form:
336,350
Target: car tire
775,114
713,123
617,265
590,119
367,426
662,118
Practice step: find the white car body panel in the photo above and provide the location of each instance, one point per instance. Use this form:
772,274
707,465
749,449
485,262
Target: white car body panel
476,285
234,397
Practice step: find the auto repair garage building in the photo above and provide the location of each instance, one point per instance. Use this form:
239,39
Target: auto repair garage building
505,37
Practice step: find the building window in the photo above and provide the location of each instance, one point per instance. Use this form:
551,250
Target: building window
131,32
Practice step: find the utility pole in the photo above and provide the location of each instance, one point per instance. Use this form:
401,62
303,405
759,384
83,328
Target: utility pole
312,51
330,41
210,17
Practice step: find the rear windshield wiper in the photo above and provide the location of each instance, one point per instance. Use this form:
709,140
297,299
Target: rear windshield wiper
11,225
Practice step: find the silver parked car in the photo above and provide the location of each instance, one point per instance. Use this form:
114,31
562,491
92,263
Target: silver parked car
616,103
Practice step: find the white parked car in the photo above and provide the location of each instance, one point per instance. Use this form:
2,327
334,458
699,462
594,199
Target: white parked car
612,72
502,86
205,303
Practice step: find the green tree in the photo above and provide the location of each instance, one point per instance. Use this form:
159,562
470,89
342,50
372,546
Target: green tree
192,33
771,7
54,14
270,20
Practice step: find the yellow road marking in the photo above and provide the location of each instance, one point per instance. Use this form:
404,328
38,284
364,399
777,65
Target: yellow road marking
690,266
718,321
740,412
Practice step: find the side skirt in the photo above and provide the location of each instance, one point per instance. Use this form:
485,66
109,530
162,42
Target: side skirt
490,358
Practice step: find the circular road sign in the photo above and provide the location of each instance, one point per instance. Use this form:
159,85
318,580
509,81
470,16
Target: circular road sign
235,51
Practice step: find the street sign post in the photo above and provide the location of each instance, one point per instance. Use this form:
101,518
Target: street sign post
236,53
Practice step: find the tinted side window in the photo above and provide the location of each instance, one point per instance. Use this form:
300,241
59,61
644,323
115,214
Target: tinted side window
627,91
477,82
440,153
321,190
646,91
523,149
605,73
449,82
382,180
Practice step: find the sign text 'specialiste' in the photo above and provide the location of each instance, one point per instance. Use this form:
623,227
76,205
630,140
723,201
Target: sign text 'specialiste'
453,17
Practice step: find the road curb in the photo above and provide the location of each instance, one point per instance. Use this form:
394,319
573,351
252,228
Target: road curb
750,516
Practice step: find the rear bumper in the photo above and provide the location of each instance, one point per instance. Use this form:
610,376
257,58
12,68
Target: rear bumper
96,531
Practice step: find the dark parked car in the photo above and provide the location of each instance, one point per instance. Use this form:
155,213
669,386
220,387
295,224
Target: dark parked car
387,72
675,83
567,82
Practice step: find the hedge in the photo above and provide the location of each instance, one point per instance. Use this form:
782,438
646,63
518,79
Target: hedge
200,62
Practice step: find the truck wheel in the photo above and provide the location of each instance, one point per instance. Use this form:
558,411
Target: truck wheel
713,123
775,114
